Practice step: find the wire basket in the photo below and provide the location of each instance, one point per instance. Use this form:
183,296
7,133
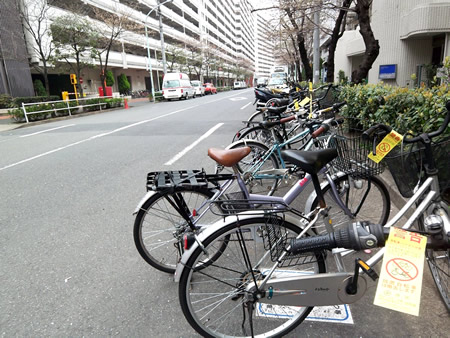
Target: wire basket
276,239
353,152
406,166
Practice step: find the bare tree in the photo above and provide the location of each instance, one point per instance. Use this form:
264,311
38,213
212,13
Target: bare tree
35,18
175,56
110,25
336,34
362,8
73,38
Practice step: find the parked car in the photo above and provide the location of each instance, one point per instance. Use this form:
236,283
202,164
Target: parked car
239,85
199,89
277,83
209,88
177,86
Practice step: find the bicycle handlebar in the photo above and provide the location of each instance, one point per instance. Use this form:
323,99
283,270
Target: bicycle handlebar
356,236
326,125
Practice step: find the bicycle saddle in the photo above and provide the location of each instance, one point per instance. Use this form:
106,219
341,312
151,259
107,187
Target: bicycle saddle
282,102
276,110
228,157
310,161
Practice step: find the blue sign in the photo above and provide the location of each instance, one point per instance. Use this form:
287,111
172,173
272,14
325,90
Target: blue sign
388,72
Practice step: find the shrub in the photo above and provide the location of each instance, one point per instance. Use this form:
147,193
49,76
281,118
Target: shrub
17,102
39,88
109,78
124,85
5,101
342,78
406,110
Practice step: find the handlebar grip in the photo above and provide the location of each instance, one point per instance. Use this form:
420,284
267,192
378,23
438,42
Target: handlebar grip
318,131
368,133
287,119
315,243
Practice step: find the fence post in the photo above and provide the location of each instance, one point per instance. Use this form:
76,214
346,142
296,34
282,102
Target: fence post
25,112
68,107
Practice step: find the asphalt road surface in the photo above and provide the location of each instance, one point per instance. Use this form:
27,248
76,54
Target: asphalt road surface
68,188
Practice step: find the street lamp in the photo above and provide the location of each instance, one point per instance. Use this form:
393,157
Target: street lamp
162,45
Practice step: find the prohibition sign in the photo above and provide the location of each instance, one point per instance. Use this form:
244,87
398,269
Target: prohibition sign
384,147
401,269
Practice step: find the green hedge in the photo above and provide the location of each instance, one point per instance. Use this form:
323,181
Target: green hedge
17,113
406,110
223,89
34,99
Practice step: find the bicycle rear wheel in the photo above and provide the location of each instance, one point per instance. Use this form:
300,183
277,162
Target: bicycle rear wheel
214,299
366,198
257,181
158,227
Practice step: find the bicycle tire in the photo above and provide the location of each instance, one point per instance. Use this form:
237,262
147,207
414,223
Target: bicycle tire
209,295
438,263
258,116
157,221
375,208
259,134
260,185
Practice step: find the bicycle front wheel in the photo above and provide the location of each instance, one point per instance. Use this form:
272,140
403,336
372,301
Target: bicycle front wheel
215,299
439,262
158,227
366,198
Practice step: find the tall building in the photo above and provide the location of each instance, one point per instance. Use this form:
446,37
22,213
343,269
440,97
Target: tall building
264,59
15,75
414,35
223,28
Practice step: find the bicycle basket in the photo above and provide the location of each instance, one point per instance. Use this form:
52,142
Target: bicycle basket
406,166
276,239
353,152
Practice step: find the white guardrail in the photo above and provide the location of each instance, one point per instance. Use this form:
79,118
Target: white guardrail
69,108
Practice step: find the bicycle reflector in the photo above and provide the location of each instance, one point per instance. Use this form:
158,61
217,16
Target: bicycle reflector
188,240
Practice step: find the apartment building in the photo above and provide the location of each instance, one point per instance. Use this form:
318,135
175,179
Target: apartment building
15,75
226,28
413,35
264,59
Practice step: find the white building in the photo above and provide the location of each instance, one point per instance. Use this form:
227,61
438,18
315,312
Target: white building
411,34
264,60
225,26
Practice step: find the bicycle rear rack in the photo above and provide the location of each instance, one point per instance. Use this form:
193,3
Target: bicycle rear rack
169,180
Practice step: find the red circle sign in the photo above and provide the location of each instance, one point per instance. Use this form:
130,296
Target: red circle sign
384,147
402,269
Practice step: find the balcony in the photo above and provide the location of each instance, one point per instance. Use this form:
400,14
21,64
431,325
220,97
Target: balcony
426,20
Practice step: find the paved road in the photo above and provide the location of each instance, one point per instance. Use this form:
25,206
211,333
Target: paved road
68,189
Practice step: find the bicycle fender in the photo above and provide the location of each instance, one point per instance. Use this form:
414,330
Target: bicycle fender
210,229
143,200
313,195
244,143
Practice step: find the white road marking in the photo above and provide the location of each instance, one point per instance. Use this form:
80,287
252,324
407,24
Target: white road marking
187,149
246,105
44,131
240,98
93,138
111,132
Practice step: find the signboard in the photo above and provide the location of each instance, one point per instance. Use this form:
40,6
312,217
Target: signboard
387,72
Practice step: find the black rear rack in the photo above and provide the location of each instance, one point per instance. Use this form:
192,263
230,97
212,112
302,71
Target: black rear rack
167,180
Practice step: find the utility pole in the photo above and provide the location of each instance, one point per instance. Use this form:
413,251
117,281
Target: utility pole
161,34
316,46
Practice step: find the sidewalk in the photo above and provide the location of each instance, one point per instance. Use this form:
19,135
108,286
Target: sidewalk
7,123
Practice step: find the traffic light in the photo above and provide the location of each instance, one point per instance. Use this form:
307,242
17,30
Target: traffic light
73,79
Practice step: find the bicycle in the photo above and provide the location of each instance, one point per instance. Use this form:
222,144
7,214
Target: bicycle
178,203
236,295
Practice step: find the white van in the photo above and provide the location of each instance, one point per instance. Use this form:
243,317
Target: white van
177,86
239,85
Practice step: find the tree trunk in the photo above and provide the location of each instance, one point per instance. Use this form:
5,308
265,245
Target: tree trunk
301,46
338,30
47,84
372,46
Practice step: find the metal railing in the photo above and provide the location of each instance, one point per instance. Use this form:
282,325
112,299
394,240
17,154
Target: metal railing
69,107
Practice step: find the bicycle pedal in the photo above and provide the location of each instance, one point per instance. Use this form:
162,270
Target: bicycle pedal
367,269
